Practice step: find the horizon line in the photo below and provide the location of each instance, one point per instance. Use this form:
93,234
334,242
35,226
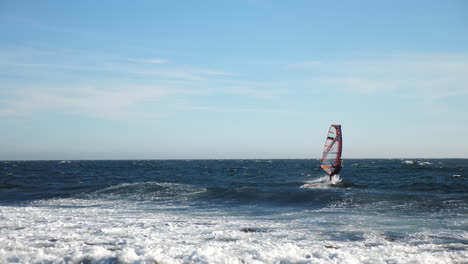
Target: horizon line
189,159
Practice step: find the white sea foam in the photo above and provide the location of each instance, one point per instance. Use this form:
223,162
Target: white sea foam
322,182
318,183
420,163
86,231
424,163
335,179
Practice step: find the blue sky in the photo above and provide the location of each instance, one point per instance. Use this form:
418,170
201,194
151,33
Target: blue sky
232,79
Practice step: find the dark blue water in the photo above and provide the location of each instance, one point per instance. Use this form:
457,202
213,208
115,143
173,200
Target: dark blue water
421,184
382,211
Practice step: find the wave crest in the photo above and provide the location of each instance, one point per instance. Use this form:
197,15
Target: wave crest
149,191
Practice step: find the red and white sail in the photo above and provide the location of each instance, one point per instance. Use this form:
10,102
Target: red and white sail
331,158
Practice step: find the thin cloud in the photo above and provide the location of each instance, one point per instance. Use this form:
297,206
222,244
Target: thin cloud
415,75
115,103
361,85
181,73
304,65
31,62
150,61
100,98
238,110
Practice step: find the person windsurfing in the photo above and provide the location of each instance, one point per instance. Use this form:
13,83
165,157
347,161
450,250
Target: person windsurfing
331,161
336,169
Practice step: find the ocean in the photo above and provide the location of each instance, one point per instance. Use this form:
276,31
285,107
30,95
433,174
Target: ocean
233,211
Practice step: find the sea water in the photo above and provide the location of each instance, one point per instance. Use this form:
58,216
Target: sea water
233,211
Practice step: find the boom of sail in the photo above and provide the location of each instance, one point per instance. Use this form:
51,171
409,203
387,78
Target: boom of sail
331,159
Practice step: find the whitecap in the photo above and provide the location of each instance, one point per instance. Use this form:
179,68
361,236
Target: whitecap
321,182
423,163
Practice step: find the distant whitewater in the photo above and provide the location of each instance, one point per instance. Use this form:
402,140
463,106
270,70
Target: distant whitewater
233,211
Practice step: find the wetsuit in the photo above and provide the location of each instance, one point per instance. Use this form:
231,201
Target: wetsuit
336,171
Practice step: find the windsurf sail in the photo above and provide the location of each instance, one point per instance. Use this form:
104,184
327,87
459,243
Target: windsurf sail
331,159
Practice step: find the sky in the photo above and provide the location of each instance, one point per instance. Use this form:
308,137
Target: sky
232,79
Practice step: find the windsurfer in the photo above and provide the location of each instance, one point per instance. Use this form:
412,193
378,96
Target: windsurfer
336,169
331,159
